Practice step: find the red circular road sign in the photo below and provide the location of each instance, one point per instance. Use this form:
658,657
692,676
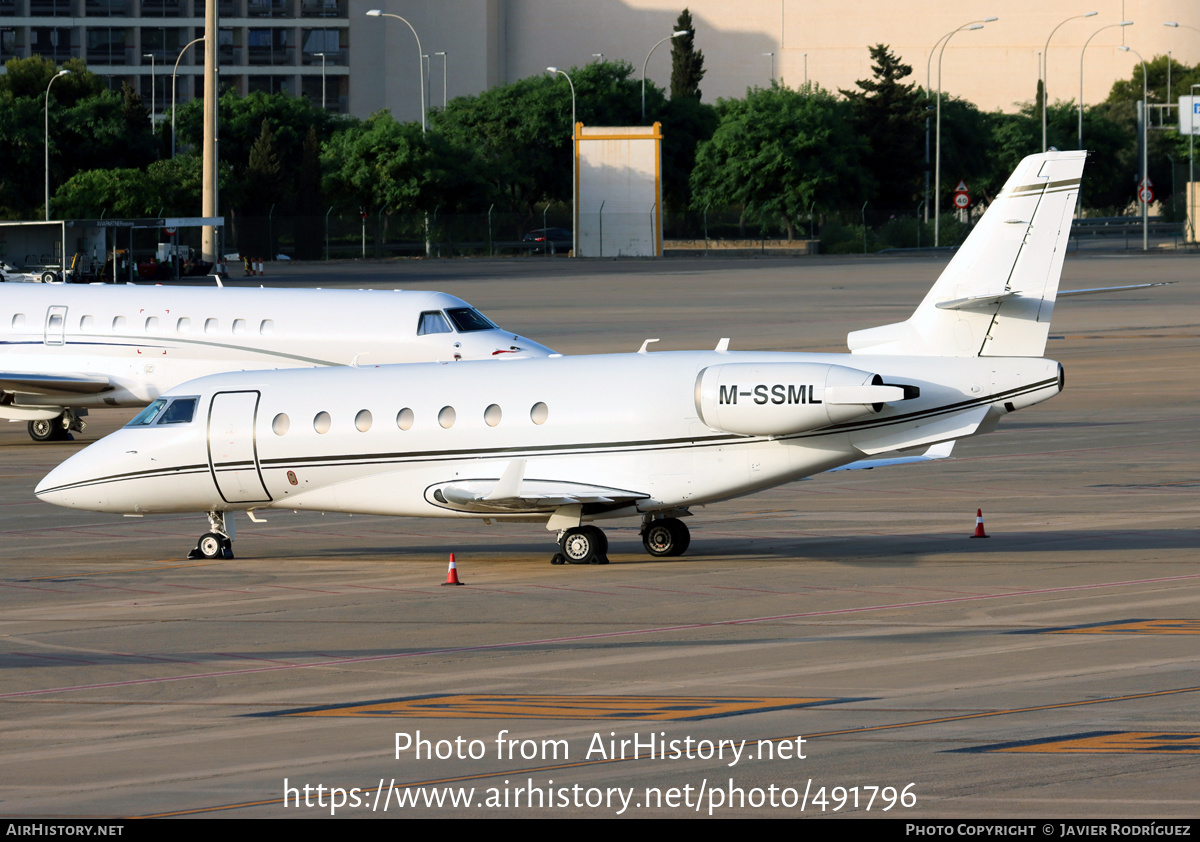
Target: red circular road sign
170,232
962,200
1146,195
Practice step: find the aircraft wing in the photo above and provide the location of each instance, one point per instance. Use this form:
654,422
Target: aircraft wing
935,452
512,493
54,384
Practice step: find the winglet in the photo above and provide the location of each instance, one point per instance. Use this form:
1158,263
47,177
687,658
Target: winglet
509,485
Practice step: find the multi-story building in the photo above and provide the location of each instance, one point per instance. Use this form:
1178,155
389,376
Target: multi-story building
299,47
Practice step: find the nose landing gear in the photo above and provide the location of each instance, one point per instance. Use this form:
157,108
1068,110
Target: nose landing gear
217,543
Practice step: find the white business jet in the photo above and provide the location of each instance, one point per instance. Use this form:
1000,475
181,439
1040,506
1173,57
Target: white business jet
65,348
570,441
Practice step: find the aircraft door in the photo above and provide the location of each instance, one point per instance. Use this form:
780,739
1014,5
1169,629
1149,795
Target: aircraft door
232,450
56,325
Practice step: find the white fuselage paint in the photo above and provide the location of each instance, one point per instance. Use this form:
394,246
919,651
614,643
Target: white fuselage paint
628,422
147,339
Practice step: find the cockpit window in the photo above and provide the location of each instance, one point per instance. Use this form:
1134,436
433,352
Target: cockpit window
147,415
466,319
432,321
181,411
166,411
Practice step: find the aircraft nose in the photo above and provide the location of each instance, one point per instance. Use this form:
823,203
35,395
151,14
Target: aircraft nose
499,345
76,482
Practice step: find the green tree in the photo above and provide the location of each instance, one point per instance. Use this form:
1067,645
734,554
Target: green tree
891,116
779,150
687,63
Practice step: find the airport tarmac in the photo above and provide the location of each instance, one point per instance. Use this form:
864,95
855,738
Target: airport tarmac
1049,671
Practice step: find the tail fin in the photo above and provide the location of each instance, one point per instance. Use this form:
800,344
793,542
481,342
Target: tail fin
996,296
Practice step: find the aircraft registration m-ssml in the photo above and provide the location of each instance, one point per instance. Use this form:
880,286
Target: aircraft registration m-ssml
66,347
572,441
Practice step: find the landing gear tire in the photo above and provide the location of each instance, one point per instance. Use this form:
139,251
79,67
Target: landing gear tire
212,545
666,538
584,545
48,429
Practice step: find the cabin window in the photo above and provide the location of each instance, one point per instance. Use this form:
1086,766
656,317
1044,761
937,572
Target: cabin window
467,319
56,322
539,413
266,327
491,415
404,419
281,424
181,411
446,417
184,325
432,321
239,327
210,325
152,324
362,421
118,323
322,423
18,321
147,415
87,323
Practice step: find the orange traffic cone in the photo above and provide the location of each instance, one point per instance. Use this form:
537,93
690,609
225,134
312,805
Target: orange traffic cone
979,533
452,573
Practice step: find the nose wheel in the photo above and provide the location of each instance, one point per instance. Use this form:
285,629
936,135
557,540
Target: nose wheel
218,542
666,537
581,545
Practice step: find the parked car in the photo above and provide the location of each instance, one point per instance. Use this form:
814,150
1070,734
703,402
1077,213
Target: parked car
556,238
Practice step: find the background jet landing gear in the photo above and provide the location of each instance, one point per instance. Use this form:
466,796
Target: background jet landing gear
581,545
58,429
665,537
215,544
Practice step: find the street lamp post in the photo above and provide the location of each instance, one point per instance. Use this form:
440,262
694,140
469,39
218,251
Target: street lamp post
1046,69
574,168
974,24
443,55
173,74
1145,152
376,13
322,55
1081,52
676,34
152,99
937,156
57,75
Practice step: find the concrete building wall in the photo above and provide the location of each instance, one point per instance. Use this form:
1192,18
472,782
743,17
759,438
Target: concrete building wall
495,41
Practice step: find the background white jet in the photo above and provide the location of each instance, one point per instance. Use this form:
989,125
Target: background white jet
64,348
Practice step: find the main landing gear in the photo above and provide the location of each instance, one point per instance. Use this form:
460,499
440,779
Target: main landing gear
58,429
218,542
662,537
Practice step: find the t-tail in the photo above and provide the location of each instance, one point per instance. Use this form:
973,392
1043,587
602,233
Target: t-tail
996,296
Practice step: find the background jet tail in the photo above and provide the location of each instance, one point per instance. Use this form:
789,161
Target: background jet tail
996,296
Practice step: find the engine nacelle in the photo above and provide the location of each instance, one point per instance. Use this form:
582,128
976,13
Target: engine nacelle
775,399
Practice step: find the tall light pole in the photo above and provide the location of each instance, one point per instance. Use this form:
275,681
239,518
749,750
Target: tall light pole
443,55
57,75
152,101
1145,151
1081,52
772,57
1191,136
1046,69
574,167
974,24
937,159
173,74
322,55
376,13
676,34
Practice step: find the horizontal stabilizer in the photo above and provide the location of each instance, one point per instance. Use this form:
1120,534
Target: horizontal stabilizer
1096,290
54,384
937,429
